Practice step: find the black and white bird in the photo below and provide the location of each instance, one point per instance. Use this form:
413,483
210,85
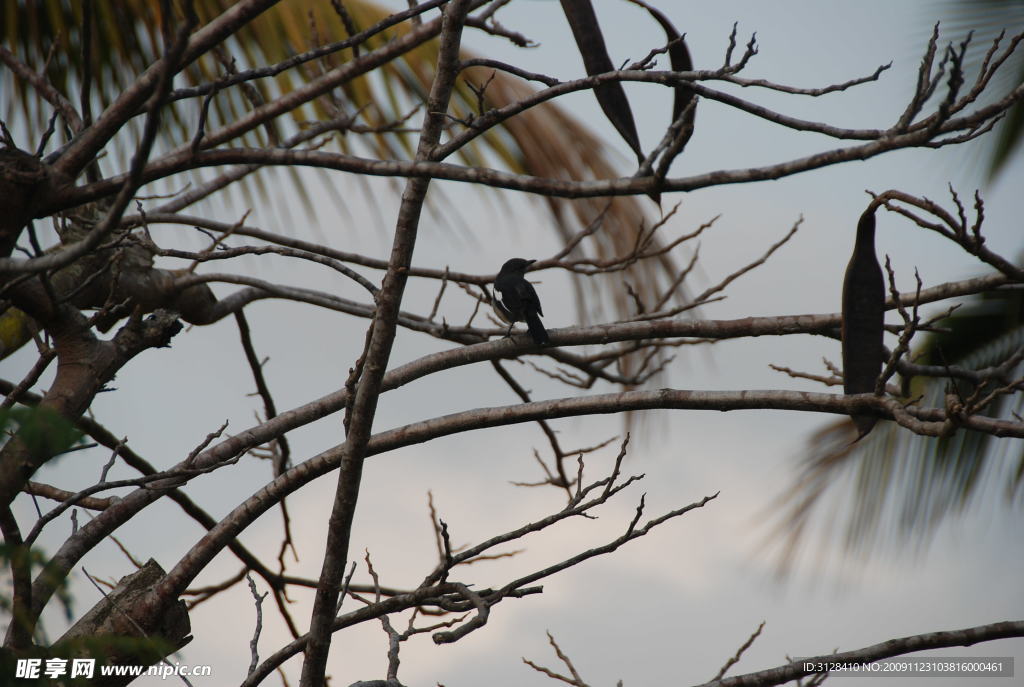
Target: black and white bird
519,301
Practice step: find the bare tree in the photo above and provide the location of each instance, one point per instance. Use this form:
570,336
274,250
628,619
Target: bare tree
90,296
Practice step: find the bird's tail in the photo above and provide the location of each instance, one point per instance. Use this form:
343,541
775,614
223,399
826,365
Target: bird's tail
537,331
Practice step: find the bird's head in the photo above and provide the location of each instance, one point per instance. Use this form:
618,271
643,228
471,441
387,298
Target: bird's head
515,265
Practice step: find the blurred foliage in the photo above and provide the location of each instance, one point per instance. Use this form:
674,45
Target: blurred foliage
892,489
43,430
985,19
37,558
16,329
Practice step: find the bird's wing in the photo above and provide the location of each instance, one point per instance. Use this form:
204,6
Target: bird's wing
528,295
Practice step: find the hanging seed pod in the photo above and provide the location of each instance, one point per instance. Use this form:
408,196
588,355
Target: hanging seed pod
863,317
610,96
679,58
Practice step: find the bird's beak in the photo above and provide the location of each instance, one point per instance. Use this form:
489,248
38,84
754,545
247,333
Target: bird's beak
530,262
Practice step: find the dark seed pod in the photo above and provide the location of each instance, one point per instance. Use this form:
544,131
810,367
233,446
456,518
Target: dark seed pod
610,96
863,317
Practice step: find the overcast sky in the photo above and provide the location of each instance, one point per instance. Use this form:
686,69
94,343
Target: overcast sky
673,606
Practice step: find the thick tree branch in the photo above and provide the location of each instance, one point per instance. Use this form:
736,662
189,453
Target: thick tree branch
108,521
893,647
924,419
560,188
378,350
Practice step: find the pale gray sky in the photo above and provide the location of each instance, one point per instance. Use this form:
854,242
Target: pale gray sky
672,607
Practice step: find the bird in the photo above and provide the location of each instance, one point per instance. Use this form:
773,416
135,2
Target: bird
519,301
